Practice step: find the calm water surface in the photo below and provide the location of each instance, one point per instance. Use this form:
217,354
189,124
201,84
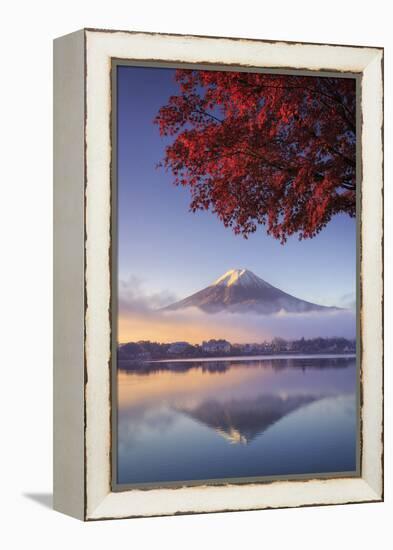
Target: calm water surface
212,419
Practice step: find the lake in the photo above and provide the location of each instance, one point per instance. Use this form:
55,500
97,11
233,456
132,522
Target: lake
236,418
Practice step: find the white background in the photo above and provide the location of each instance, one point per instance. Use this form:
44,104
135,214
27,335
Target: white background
28,28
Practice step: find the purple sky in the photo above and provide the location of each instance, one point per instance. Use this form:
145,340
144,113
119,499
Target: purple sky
169,250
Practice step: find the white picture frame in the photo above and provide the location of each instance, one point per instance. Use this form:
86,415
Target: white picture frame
82,258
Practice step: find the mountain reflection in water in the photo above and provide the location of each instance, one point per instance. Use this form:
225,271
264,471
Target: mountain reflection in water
241,417
240,421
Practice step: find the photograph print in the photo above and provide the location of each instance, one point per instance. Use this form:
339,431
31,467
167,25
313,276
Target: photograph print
235,275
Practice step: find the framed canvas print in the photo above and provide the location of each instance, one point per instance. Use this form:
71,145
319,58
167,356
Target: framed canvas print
218,274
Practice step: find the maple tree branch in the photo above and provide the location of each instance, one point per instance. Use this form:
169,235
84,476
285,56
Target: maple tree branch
203,112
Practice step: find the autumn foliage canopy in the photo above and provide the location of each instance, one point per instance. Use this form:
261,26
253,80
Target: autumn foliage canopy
254,149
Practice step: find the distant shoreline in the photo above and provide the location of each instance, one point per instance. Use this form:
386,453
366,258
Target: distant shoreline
260,357
221,350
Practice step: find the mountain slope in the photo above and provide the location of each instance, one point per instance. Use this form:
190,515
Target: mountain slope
241,291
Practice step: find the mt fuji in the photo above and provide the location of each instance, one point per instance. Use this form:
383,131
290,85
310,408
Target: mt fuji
241,291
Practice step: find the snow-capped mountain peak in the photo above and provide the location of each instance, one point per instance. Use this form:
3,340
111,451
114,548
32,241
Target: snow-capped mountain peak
242,277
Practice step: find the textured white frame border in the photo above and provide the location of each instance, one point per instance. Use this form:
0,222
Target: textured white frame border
100,502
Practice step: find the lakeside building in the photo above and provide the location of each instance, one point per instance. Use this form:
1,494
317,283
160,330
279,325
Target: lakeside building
216,346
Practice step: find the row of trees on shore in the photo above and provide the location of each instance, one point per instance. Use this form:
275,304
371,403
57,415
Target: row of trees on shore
146,350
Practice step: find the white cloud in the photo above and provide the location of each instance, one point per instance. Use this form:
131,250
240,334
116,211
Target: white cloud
348,300
141,318
134,298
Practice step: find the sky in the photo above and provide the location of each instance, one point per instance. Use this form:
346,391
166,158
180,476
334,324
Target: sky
166,253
